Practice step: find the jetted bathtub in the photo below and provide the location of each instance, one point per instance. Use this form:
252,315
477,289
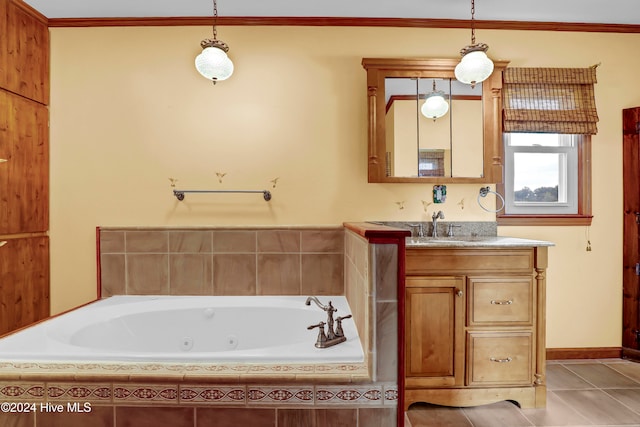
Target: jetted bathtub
189,329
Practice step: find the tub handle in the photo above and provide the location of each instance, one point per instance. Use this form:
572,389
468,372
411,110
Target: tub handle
339,331
319,325
322,337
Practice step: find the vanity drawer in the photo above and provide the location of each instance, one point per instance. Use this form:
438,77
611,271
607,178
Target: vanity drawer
499,358
505,301
468,261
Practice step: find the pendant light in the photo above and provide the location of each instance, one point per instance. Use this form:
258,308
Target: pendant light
475,65
435,105
213,62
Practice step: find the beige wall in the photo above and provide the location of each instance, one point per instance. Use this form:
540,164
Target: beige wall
128,111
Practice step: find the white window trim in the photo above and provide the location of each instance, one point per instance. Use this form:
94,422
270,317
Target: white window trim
571,185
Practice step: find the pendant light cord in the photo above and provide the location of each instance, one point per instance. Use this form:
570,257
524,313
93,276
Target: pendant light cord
215,19
473,26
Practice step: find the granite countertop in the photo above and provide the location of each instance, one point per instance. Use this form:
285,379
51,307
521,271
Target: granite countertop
474,242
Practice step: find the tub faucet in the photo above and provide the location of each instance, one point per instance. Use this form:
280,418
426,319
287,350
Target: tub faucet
317,301
435,225
332,337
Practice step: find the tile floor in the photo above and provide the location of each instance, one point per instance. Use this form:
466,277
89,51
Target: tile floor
579,393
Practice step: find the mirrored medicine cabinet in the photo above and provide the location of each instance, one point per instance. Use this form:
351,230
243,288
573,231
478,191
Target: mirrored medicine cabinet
462,146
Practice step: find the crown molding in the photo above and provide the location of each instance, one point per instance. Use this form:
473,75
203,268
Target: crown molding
344,22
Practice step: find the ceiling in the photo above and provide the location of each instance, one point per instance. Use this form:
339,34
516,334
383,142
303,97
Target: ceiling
574,11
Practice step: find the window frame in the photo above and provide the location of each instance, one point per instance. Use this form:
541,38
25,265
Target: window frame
583,216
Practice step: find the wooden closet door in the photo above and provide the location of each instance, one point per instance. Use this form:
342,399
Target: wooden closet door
24,165
24,281
631,232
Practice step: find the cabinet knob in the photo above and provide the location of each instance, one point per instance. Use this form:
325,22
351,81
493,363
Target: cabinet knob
2,243
459,293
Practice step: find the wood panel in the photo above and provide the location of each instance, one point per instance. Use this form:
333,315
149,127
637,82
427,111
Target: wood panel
631,228
435,314
24,168
27,52
469,261
500,358
584,353
503,301
3,44
24,282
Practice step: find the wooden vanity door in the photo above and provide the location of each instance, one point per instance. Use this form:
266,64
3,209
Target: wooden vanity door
434,332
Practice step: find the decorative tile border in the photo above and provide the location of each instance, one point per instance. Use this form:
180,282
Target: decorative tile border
391,394
289,395
212,394
145,393
157,372
22,392
364,395
67,392
280,395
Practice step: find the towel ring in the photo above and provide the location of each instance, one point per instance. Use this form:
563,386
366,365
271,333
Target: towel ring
483,193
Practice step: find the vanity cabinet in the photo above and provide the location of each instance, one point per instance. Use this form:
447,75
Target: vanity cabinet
475,325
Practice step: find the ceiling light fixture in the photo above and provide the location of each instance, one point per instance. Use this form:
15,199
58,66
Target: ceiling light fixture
435,105
213,62
475,65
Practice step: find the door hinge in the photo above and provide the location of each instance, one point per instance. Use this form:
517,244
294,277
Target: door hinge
637,214
637,127
638,269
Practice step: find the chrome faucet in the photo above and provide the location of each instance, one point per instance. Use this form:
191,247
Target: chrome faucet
331,337
435,219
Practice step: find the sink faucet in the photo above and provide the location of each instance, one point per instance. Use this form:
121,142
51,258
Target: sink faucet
435,219
331,337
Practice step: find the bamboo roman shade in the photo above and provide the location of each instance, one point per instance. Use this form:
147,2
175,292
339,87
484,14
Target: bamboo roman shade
550,100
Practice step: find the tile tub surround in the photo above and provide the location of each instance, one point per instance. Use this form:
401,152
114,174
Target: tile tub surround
221,261
220,395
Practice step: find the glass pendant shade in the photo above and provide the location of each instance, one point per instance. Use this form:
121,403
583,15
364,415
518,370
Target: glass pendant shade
214,64
435,106
474,67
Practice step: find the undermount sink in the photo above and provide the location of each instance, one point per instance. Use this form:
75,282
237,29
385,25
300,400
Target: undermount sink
449,239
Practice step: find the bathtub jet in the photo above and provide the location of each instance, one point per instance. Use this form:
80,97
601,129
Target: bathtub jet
189,329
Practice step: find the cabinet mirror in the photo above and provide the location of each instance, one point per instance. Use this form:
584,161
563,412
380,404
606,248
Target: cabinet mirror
405,145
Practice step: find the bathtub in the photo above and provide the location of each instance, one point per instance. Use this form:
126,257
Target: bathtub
190,329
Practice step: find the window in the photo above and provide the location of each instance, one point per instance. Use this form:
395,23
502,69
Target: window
541,173
547,179
548,119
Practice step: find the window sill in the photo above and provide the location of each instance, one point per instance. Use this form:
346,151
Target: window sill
544,220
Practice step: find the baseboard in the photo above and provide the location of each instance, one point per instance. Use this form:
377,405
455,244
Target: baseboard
630,353
584,353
